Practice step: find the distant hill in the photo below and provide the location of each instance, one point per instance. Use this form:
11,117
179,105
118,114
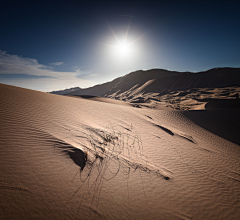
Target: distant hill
129,81
65,91
162,81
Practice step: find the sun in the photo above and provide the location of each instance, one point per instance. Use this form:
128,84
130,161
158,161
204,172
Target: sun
123,46
123,49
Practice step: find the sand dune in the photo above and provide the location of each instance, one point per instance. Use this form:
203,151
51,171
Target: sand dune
72,158
158,88
125,83
162,81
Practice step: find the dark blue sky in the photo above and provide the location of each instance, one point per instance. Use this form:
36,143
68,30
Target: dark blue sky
50,45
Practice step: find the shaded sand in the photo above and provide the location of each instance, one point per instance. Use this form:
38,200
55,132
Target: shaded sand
222,103
73,158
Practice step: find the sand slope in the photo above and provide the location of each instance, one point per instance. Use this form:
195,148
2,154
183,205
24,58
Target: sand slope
72,158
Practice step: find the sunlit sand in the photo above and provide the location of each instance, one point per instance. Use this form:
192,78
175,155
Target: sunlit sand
138,157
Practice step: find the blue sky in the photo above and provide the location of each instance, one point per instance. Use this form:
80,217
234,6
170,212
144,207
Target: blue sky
53,45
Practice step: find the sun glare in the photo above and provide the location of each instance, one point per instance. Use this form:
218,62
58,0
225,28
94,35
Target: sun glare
123,49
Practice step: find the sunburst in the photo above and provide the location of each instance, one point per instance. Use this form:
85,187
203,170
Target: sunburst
123,49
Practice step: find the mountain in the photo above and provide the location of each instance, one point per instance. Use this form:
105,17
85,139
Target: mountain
127,82
179,90
162,81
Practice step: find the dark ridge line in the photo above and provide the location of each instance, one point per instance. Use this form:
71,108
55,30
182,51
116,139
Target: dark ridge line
172,134
165,129
13,188
186,138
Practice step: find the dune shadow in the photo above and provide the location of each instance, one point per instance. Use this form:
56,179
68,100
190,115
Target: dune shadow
189,138
186,137
83,96
165,129
87,96
223,122
223,103
78,156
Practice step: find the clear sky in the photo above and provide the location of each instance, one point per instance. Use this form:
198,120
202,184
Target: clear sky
53,45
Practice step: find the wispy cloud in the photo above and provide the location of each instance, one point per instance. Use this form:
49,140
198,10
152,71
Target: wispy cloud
13,64
22,76
57,64
28,73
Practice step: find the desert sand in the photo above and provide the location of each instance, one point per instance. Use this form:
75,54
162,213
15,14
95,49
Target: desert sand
66,157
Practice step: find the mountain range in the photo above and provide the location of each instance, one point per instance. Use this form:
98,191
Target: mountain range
169,88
